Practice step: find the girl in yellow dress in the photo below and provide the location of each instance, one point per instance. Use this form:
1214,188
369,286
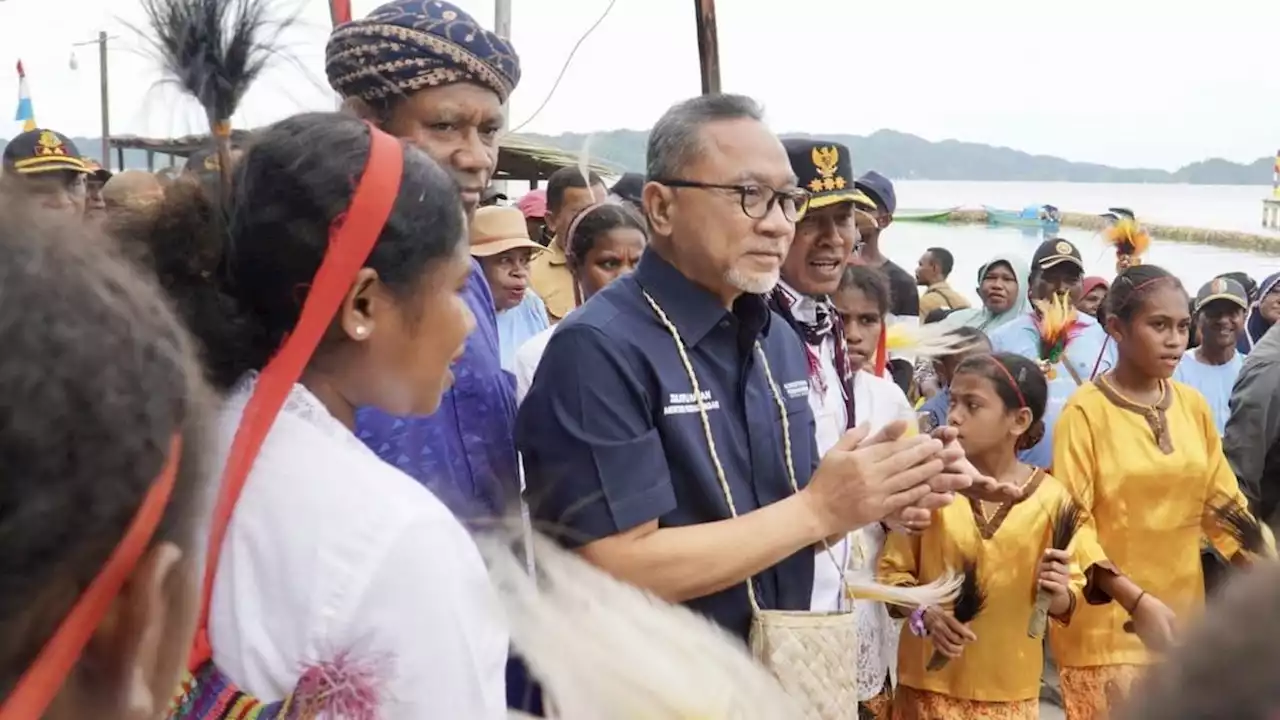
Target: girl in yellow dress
1142,454
997,405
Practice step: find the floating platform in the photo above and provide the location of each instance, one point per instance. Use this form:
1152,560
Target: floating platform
1256,242
1271,213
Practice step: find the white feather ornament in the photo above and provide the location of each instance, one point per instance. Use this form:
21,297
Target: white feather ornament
603,648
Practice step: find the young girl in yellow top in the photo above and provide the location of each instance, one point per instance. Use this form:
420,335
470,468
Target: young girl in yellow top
1142,454
997,405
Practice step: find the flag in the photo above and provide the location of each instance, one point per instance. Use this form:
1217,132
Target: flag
26,113
340,11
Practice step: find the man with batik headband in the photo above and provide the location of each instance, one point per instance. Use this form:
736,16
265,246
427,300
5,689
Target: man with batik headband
428,72
826,238
45,168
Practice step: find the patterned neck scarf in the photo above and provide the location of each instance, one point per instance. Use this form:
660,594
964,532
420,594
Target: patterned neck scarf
827,324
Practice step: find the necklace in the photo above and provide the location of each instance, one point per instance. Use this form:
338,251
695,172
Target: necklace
1153,414
711,442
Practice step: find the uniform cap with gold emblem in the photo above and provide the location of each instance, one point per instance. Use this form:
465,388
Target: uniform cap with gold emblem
825,169
1056,251
40,151
1222,288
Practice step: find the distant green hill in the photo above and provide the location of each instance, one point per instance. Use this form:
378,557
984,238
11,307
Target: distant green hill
905,156
902,156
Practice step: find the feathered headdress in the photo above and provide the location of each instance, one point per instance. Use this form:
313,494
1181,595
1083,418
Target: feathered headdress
214,50
1129,239
1058,323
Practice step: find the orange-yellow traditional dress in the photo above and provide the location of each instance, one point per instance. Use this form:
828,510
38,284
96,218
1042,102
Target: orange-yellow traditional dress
998,676
1149,475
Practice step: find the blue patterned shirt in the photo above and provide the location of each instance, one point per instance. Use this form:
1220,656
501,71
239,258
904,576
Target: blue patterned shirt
464,452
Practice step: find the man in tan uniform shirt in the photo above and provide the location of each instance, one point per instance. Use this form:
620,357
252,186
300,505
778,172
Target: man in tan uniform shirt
932,272
567,195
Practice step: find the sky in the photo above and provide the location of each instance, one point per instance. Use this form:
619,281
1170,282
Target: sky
1133,83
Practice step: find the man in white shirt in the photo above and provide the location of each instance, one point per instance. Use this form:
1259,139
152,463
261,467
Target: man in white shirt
824,241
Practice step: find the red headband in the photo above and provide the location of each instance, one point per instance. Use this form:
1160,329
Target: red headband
44,678
1022,401
351,239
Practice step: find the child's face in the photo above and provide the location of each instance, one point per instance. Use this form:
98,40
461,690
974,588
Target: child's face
981,416
1154,339
862,323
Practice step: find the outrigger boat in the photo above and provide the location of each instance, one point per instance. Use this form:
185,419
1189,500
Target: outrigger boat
924,216
1046,217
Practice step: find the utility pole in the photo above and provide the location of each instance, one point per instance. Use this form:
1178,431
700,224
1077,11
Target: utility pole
106,92
502,18
708,46
105,89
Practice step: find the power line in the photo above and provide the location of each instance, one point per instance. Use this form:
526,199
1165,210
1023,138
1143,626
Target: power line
564,68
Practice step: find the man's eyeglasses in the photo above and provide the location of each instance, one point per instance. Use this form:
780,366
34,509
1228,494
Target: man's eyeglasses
757,200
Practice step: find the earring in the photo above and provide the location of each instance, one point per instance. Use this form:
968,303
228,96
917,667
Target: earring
361,331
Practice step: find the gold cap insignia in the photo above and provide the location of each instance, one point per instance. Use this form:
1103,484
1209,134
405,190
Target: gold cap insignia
211,163
1218,287
826,160
1063,248
49,144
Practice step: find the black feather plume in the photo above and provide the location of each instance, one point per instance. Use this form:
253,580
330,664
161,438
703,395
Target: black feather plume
969,604
214,49
1066,521
1240,524
972,598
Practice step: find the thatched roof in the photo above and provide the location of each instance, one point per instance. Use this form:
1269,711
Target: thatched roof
519,158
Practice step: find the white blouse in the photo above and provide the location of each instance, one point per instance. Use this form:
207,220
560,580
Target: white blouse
332,551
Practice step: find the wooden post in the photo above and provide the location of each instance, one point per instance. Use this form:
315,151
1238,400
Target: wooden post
106,108
708,46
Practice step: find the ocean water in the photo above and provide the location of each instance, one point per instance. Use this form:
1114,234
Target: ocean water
1223,207
1220,207
972,245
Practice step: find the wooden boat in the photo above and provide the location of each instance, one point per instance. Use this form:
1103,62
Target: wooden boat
1034,216
924,216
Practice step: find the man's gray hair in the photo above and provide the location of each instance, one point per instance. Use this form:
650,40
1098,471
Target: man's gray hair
677,136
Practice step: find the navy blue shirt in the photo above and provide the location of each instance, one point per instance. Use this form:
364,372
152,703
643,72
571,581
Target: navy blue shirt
612,439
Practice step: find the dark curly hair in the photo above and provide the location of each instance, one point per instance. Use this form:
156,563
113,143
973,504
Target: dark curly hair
240,272
97,376
870,281
1031,390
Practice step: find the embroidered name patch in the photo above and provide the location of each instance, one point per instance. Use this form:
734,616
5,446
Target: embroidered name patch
683,403
796,389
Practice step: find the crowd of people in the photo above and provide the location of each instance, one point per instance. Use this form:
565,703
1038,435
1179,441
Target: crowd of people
265,419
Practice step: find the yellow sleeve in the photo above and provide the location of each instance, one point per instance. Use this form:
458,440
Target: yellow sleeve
929,302
899,560
1222,486
1075,465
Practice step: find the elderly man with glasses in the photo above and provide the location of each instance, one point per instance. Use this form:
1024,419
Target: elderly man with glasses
680,454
